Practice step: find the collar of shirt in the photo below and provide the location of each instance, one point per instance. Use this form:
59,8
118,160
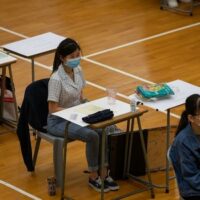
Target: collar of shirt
64,76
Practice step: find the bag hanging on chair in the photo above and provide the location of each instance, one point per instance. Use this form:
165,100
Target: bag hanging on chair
8,101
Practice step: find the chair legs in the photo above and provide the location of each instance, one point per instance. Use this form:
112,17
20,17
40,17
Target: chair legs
59,157
58,160
37,146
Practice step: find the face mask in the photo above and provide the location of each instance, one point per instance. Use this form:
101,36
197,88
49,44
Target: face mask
73,63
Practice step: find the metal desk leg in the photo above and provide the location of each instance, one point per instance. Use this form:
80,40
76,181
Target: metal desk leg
103,142
33,69
126,148
146,159
130,145
167,146
162,3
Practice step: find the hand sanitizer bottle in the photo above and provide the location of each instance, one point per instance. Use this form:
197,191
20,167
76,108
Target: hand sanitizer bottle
133,105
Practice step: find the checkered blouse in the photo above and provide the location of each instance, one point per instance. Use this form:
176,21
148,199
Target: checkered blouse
63,90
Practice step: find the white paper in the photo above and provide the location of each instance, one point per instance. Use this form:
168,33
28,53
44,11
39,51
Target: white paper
6,59
35,45
181,89
69,114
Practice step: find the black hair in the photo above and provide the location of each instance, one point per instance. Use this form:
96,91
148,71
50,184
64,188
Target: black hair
66,47
192,106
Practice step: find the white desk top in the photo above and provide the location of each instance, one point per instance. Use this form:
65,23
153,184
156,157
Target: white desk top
36,45
181,89
76,113
6,59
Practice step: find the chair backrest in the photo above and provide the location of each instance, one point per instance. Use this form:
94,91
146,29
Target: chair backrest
36,94
34,111
168,156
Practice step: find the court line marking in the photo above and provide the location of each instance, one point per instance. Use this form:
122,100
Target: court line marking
94,62
117,70
144,39
13,32
19,190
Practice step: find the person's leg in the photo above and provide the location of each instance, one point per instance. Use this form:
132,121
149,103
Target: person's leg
108,181
56,126
105,171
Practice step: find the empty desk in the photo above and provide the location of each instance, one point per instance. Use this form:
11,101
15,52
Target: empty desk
34,46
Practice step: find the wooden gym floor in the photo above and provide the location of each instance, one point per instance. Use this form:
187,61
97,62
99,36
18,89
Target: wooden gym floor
125,43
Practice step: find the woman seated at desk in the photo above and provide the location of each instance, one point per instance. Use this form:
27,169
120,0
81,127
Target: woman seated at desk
64,91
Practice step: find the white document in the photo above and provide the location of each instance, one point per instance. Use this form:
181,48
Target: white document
181,89
76,113
35,45
5,58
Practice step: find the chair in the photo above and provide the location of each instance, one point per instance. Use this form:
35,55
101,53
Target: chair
59,155
34,112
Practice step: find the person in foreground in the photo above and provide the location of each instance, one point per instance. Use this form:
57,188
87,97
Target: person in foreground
64,91
185,150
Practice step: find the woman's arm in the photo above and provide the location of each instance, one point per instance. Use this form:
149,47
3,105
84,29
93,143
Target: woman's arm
82,98
53,107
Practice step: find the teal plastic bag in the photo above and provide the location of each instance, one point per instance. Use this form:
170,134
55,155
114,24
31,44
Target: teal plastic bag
154,90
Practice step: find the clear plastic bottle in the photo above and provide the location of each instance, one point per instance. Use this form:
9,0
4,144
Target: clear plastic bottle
133,105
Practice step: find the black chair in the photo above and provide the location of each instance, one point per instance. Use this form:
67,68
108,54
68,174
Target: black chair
34,112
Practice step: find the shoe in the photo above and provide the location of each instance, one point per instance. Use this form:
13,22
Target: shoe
172,3
96,185
110,183
185,1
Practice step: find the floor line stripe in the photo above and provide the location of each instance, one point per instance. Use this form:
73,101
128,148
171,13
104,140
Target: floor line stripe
118,70
143,39
19,190
13,32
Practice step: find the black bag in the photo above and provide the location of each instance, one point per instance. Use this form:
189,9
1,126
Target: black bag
98,116
116,144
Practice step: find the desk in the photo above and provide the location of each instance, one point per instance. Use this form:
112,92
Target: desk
34,47
6,61
121,113
182,90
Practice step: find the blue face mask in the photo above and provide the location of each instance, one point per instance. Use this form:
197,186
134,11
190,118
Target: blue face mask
73,63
